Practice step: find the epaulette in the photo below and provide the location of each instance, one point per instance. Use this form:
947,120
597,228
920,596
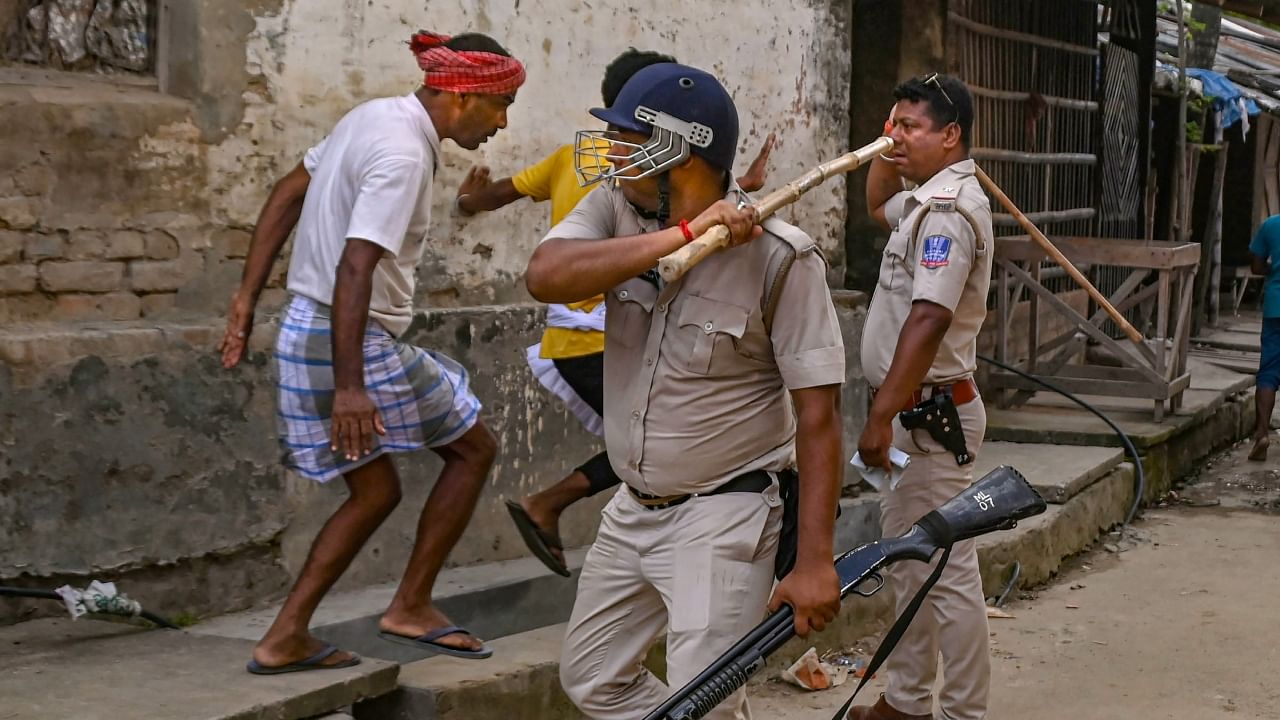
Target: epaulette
944,201
799,244
798,239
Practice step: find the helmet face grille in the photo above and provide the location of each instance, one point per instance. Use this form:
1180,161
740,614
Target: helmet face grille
595,158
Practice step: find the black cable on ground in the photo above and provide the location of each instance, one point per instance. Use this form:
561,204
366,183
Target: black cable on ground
1140,478
29,592
158,621
51,595
1014,573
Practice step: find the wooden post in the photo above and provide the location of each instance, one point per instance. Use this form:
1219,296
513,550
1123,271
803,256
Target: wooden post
1213,230
1004,310
1162,307
1033,329
1179,233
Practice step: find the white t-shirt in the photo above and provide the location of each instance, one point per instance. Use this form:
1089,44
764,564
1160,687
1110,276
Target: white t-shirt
370,179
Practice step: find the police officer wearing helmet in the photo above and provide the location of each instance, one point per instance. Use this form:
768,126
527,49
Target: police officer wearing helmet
701,376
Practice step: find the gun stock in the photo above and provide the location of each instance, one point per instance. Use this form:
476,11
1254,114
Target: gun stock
996,502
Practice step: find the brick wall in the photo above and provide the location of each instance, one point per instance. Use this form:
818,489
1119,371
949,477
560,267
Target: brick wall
104,208
123,274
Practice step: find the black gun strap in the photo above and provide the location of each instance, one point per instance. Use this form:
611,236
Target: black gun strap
896,632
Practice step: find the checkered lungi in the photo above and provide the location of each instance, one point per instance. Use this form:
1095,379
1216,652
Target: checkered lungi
422,396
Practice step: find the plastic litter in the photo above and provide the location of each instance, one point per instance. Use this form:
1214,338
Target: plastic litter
100,598
811,673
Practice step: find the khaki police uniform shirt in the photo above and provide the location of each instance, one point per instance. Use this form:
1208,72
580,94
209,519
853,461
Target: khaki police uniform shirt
695,389
943,263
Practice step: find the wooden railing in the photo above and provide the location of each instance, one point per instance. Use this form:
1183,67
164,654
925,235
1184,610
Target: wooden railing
1159,286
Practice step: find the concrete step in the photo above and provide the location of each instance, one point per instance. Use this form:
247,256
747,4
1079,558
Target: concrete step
91,670
1041,543
498,600
521,680
490,599
1057,472
493,600
1243,362
1231,340
1217,411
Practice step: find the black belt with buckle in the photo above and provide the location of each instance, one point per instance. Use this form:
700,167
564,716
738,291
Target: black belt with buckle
754,482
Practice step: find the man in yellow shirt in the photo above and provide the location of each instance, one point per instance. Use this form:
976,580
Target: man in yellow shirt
570,359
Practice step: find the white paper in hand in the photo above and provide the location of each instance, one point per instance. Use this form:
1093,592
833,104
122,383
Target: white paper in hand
877,477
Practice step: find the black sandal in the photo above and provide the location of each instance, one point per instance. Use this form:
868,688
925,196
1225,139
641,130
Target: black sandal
539,541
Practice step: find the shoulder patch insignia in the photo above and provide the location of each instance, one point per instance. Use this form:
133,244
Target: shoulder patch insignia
937,252
943,204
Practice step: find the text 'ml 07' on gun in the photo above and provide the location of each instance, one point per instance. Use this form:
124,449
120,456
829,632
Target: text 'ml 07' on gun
996,502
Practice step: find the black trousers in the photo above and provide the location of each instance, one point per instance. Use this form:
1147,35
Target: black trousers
585,374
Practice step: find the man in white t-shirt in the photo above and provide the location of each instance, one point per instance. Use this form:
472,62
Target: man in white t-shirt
350,391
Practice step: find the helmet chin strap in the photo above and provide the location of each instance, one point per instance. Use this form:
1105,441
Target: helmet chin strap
664,199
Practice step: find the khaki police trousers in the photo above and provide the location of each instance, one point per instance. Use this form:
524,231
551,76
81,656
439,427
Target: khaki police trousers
953,619
702,570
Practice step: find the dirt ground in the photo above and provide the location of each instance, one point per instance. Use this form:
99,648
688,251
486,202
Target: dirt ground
1179,618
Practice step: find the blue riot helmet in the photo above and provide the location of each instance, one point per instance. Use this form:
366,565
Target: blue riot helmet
685,110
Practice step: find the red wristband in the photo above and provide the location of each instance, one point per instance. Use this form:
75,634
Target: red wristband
684,228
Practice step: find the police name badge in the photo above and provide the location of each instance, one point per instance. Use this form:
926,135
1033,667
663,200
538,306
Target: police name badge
937,252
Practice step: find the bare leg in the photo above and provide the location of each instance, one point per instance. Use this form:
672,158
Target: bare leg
1264,402
467,461
374,493
544,508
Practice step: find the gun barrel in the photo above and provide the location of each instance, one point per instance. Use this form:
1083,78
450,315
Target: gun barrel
730,671
703,698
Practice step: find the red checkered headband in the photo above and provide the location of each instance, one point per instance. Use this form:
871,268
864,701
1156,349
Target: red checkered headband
464,71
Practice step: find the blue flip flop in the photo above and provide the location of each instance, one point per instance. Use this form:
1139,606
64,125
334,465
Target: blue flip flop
315,662
428,642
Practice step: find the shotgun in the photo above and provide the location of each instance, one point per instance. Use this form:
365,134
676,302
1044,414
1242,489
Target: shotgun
996,502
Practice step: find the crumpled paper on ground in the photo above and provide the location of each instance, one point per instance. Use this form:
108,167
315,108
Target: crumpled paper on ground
99,597
811,673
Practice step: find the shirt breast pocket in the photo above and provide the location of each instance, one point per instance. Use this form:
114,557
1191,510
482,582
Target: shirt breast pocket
715,327
628,317
893,264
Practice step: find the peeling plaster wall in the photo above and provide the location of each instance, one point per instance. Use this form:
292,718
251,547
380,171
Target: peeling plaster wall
250,85
149,455
311,62
130,455
125,452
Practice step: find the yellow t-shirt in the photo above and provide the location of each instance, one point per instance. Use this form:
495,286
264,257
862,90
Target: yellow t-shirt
556,179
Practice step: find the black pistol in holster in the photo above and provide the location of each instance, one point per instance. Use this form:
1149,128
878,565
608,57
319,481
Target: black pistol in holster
938,416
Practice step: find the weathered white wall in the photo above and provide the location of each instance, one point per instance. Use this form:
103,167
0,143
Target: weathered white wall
785,63
137,203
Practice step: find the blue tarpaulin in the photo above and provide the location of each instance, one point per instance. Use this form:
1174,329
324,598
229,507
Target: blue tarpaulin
1226,96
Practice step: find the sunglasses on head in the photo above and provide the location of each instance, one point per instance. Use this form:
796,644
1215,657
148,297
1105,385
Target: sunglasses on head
933,81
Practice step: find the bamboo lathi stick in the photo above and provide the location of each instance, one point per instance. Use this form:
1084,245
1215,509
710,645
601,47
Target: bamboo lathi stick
674,266
1052,251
